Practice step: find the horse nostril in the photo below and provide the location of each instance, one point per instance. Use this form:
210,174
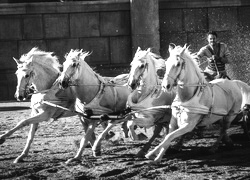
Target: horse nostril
133,86
64,84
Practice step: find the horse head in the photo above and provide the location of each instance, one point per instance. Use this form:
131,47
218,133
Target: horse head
71,67
174,66
138,67
181,69
144,68
24,75
36,70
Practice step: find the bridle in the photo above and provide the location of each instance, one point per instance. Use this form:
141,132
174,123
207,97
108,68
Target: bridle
183,65
68,77
141,74
28,85
74,83
177,78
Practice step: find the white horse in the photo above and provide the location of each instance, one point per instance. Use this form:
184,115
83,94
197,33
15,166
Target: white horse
94,91
39,69
197,102
147,99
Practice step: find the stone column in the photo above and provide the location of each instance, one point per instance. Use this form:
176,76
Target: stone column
145,25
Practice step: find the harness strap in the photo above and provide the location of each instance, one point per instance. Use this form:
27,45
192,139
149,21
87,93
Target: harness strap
115,96
212,105
95,101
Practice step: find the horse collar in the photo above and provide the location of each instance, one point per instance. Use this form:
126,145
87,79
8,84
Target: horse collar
28,85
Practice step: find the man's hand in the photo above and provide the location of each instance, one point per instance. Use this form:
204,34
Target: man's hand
214,58
211,59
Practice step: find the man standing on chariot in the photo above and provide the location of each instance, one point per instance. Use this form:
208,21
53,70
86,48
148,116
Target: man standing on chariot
217,54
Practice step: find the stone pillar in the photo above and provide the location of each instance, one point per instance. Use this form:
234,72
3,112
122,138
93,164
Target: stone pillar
145,25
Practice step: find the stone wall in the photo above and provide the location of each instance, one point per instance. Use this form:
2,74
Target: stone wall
113,29
101,28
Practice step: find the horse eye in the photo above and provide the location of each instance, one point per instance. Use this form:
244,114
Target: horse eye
74,65
142,66
178,64
27,75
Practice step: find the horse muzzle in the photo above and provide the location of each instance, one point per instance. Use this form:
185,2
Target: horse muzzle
133,85
19,97
167,87
64,84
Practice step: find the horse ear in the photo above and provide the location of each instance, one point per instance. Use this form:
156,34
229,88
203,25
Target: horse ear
186,46
17,61
148,50
171,46
31,59
138,49
65,56
183,49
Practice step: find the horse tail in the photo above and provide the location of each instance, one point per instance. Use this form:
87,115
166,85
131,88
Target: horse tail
245,92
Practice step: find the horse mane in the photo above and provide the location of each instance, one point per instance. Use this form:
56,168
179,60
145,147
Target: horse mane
83,54
47,58
159,62
187,55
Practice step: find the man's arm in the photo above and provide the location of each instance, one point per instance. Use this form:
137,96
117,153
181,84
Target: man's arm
204,52
200,53
226,58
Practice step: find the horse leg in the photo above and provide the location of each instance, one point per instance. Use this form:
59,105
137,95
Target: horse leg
33,128
146,147
131,130
245,122
85,124
110,134
84,141
124,129
185,127
171,127
40,117
178,145
97,145
225,124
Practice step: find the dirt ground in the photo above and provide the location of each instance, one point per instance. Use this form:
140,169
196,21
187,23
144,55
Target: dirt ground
56,142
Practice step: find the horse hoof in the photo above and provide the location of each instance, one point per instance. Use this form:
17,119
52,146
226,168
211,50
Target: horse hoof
72,160
142,137
97,153
153,163
141,154
18,160
157,161
2,141
150,156
69,161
